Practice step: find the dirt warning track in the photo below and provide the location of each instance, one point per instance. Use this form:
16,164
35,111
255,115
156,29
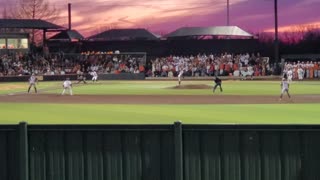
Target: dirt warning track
155,99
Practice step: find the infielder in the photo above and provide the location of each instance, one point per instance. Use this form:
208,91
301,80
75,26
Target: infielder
284,88
32,82
94,76
218,83
180,75
67,85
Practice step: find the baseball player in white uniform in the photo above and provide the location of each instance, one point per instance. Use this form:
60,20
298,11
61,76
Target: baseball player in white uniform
290,75
67,85
32,82
94,76
180,75
284,88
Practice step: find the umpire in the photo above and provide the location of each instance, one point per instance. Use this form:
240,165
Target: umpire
218,83
81,77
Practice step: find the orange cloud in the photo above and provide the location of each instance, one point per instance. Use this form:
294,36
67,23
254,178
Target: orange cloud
297,27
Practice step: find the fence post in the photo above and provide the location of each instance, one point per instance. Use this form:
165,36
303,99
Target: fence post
178,150
23,151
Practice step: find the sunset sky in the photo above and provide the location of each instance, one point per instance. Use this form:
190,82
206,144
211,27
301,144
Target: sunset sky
163,16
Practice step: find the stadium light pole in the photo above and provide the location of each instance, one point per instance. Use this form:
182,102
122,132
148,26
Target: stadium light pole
69,16
276,38
228,15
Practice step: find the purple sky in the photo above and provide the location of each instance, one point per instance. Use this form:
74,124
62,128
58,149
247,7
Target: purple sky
163,16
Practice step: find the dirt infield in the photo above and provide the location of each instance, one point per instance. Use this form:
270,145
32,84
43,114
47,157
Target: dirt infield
155,99
192,86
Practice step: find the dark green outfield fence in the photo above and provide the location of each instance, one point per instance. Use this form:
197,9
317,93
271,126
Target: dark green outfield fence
159,152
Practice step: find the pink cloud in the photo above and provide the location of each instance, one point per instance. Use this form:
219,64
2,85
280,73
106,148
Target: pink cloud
94,16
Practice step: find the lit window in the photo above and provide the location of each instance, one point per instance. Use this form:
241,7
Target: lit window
12,43
2,43
23,43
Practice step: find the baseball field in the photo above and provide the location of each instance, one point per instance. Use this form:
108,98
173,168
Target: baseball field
161,102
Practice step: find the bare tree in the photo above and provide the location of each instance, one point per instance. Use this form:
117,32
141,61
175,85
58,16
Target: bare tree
4,16
35,9
297,33
289,37
4,13
265,37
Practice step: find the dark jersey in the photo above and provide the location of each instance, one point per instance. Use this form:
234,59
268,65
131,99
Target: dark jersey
217,81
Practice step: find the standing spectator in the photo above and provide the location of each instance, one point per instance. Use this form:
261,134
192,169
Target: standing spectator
315,69
300,73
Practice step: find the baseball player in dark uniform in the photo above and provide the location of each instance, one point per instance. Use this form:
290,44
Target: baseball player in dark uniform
218,83
81,77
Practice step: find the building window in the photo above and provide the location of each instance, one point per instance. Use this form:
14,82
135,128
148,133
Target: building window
2,43
18,43
23,43
12,43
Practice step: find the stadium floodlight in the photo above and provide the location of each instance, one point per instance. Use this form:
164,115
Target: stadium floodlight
228,13
276,38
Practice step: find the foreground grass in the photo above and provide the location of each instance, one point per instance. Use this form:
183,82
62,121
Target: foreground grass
12,113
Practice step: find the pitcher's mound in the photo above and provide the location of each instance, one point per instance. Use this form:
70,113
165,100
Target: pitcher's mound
192,86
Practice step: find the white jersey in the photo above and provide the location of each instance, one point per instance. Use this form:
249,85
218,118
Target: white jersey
289,73
285,84
67,84
181,72
32,79
94,74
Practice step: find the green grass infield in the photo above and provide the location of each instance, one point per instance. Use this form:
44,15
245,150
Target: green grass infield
39,113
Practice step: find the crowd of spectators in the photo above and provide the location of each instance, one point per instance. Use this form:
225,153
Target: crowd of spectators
309,69
19,64
225,64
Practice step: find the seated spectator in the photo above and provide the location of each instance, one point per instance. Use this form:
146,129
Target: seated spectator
164,74
141,68
194,65
136,71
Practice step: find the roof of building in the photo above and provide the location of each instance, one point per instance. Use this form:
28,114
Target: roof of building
209,31
28,24
124,34
67,35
